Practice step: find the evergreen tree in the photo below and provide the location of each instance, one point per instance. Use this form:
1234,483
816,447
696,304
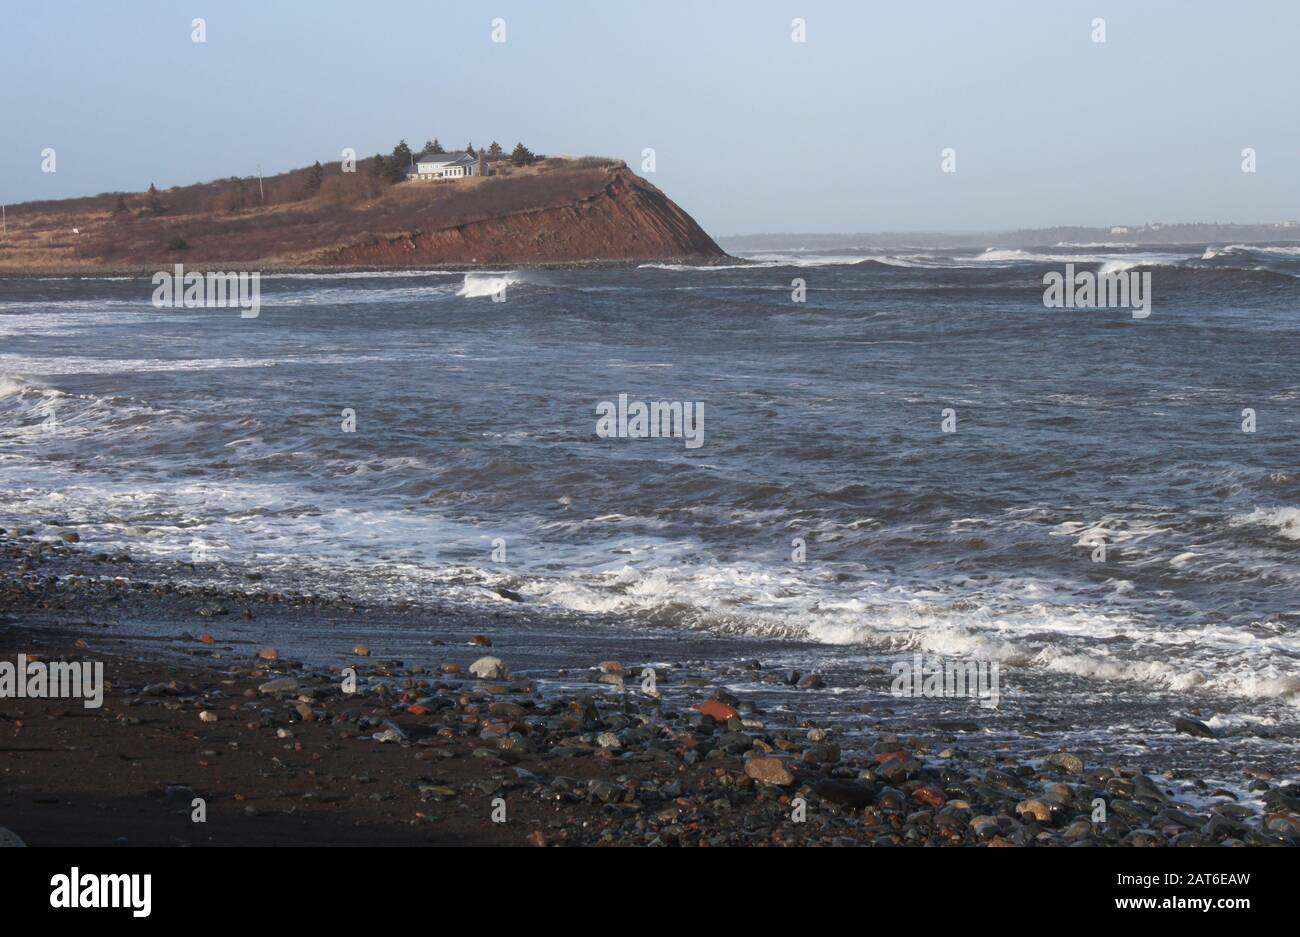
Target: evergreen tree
469,148
399,162
436,147
120,208
312,183
521,155
152,201
495,152
378,166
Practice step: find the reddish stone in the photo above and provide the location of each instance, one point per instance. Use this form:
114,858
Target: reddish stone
719,710
929,795
207,638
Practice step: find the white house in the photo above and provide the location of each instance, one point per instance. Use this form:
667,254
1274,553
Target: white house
455,165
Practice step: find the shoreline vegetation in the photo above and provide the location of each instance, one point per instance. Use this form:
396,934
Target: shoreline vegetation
456,749
538,211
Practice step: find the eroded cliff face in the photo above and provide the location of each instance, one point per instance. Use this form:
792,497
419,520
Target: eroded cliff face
628,219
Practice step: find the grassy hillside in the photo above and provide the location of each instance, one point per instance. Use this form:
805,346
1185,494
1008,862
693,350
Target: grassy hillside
228,222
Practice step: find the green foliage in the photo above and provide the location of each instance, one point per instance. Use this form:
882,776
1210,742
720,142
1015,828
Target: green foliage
521,155
398,163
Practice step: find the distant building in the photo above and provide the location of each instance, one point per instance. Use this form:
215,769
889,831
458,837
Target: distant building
455,165
1119,229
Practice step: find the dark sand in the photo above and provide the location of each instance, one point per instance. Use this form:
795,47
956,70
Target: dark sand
573,760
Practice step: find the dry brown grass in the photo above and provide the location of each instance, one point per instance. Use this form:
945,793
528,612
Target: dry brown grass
288,229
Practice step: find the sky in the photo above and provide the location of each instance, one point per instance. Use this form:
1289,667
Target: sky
751,131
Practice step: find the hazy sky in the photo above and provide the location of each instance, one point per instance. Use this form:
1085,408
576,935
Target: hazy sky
752,132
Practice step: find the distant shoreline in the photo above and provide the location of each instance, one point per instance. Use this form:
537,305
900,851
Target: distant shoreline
92,273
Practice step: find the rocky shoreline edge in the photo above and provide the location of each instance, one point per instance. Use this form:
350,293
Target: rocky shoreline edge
379,751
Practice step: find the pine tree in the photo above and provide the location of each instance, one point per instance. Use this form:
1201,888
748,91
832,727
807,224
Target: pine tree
469,148
152,201
311,185
398,163
436,147
495,152
120,208
521,155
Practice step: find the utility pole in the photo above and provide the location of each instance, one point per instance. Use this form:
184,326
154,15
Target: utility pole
260,191
4,221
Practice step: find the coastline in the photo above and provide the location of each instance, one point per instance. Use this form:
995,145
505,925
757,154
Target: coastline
577,756
91,273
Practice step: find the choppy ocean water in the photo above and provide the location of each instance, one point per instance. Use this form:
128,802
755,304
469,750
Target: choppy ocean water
826,505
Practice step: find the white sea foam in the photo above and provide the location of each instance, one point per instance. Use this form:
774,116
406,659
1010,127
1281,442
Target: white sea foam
478,285
1285,520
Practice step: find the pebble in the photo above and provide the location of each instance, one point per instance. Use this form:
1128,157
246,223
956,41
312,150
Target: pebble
489,668
717,709
769,769
1193,727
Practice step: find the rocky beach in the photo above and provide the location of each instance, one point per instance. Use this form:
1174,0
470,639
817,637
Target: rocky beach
475,743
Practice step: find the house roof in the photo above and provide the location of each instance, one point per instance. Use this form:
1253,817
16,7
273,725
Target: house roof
456,158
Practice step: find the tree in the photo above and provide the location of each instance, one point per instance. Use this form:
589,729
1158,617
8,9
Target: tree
434,147
378,166
311,185
521,155
120,208
398,163
237,198
152,201
495,152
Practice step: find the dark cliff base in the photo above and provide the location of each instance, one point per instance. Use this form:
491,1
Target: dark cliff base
558,211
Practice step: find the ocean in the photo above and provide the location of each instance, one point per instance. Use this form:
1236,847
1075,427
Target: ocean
918,456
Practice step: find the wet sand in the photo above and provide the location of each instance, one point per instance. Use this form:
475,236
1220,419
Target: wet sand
567,749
